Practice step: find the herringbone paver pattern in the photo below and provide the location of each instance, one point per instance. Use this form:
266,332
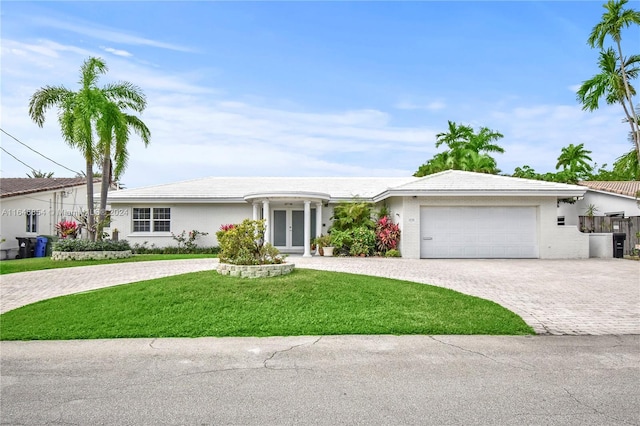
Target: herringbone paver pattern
591,296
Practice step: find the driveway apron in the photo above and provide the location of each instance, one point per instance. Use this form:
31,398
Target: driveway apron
560,297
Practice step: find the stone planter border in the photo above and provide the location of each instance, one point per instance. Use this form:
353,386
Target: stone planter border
90,255
255,271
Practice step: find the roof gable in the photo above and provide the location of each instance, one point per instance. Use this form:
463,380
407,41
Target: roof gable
457,181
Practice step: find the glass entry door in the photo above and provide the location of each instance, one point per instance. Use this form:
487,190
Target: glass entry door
288,228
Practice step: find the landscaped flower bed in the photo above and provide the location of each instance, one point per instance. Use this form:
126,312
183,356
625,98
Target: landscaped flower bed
72,249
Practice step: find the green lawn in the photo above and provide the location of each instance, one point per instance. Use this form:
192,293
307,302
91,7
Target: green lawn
39,263
305,302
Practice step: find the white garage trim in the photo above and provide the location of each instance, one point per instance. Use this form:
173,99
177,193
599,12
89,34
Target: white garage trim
478,232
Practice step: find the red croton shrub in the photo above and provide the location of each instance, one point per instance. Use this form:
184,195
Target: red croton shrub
387,235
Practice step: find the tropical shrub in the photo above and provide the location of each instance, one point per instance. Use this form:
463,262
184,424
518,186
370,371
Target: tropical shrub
341,241
244,244
387,235
67,229
392,253
348,215
145,248
187,242
69,244
363,242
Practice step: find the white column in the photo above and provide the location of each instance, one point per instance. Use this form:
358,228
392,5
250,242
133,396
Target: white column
318,223
255,211
307,229
265,216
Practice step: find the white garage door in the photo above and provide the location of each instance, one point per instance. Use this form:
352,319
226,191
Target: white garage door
478,232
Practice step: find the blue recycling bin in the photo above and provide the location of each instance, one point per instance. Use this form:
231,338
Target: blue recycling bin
41,247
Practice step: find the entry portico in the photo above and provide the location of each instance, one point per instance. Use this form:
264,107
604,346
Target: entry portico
292,218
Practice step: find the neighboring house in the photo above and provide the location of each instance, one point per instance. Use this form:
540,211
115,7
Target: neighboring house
614,199
452,214
32,207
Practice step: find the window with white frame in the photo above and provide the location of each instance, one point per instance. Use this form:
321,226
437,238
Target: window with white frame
32,220
162,219
151,219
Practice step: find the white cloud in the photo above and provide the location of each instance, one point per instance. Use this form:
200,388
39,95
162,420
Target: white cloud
101,32
117,52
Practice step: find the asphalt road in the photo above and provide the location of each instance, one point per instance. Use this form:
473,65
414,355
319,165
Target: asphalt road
380,380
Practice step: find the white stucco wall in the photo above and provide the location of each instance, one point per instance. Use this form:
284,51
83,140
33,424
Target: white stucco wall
187,217
605,203
52,206
553,241
601,245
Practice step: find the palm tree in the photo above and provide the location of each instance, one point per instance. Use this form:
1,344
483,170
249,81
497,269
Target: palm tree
77,111
39,174
95,110
113,127
467,150
574,159
613,21
609,83
481,142
480,163
457,136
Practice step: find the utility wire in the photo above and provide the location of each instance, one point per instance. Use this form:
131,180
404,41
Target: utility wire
22,143
30,168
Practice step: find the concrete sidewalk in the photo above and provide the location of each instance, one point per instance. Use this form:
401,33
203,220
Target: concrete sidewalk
591,296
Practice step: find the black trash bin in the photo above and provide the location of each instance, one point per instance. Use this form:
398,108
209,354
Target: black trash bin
618,244
26,246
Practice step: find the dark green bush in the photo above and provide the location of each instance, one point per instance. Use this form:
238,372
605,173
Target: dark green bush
70,244
144,248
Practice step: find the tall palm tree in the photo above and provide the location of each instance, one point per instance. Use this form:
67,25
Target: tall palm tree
457,136
482,142
113,127
92,111
613,21
608,84
574,159
77,111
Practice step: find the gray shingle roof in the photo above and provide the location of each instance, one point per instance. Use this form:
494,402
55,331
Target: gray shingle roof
11,187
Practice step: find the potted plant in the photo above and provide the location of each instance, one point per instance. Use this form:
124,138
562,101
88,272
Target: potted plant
322,241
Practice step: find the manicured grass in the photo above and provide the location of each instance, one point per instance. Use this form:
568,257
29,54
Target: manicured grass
305,302
40,263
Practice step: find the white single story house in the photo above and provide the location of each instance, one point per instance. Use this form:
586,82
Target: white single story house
32,206
452,214
609,198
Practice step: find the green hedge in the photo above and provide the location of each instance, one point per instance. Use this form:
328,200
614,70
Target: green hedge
70,244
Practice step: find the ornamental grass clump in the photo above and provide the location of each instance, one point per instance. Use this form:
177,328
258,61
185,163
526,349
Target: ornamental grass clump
243,244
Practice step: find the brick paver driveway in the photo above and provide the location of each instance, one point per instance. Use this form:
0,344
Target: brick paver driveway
591,296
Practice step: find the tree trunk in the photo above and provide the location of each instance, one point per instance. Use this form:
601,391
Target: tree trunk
104,189
90,219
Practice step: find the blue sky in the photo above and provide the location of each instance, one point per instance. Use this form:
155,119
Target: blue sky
312,88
